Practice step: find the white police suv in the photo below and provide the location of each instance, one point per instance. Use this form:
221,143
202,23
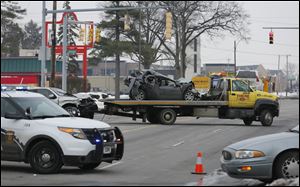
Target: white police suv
37,131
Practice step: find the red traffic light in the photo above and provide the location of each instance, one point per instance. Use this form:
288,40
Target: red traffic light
271,35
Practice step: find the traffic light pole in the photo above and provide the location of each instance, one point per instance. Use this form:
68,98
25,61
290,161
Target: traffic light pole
43,47
53,56
64,64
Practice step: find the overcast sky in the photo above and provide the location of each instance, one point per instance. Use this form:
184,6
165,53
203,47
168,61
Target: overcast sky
256,51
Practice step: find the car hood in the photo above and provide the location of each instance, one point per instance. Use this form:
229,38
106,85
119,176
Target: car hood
263,140
72,122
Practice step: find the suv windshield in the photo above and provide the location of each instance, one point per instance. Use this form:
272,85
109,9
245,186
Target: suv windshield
41,107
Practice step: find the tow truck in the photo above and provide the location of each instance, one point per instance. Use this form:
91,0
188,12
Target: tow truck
228,98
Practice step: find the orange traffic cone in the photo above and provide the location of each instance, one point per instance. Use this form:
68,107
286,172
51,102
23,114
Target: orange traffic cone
199,169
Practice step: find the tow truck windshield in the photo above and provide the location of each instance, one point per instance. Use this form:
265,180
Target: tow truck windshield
40,107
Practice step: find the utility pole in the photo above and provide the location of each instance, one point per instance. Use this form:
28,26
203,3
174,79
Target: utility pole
278,79
234,56
287,73
53,37
195,56
43,47
117,79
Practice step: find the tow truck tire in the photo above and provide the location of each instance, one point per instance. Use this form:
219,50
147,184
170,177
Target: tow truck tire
266,117
167,116
247,121
45,158
90,166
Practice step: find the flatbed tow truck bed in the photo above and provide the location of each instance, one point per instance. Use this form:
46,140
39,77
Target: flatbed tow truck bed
165,103
162,111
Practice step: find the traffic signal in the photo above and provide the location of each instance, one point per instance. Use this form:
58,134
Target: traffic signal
91,34
126,22
271,35
168,32
98,35
81,34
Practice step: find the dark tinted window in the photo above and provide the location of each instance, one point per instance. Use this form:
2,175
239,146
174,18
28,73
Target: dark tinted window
7,107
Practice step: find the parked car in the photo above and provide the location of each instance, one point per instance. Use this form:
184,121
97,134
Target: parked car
83,107
96,96
148,84
265,158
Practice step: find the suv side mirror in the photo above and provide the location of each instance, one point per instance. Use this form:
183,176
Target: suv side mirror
28,112
51,96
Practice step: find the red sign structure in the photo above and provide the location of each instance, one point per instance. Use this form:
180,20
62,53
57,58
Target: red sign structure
20,80
80,49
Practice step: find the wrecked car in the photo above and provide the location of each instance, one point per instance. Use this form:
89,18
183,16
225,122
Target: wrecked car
151,85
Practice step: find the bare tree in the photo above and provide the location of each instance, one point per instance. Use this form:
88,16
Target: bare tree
194,18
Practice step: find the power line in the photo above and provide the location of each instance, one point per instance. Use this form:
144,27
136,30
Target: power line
260,41
266,21
246,52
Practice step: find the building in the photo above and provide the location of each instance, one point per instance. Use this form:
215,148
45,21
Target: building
262,72
24,70
279,79
218,67
193,59
101,76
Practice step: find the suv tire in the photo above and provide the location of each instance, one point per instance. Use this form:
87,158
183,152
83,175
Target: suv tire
45,158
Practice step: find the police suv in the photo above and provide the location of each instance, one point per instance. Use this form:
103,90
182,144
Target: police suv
37,131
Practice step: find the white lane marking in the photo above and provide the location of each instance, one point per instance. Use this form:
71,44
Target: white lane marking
218,130
140,128
111,165
179,143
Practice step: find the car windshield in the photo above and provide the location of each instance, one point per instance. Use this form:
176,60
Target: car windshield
41,107
296,129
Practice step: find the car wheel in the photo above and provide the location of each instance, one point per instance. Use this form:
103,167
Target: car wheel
167,116
247,121
44,158
266,118
90,166
140,96
72,110
287,165
189,95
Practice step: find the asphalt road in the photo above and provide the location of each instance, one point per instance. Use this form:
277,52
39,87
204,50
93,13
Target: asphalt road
160,154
